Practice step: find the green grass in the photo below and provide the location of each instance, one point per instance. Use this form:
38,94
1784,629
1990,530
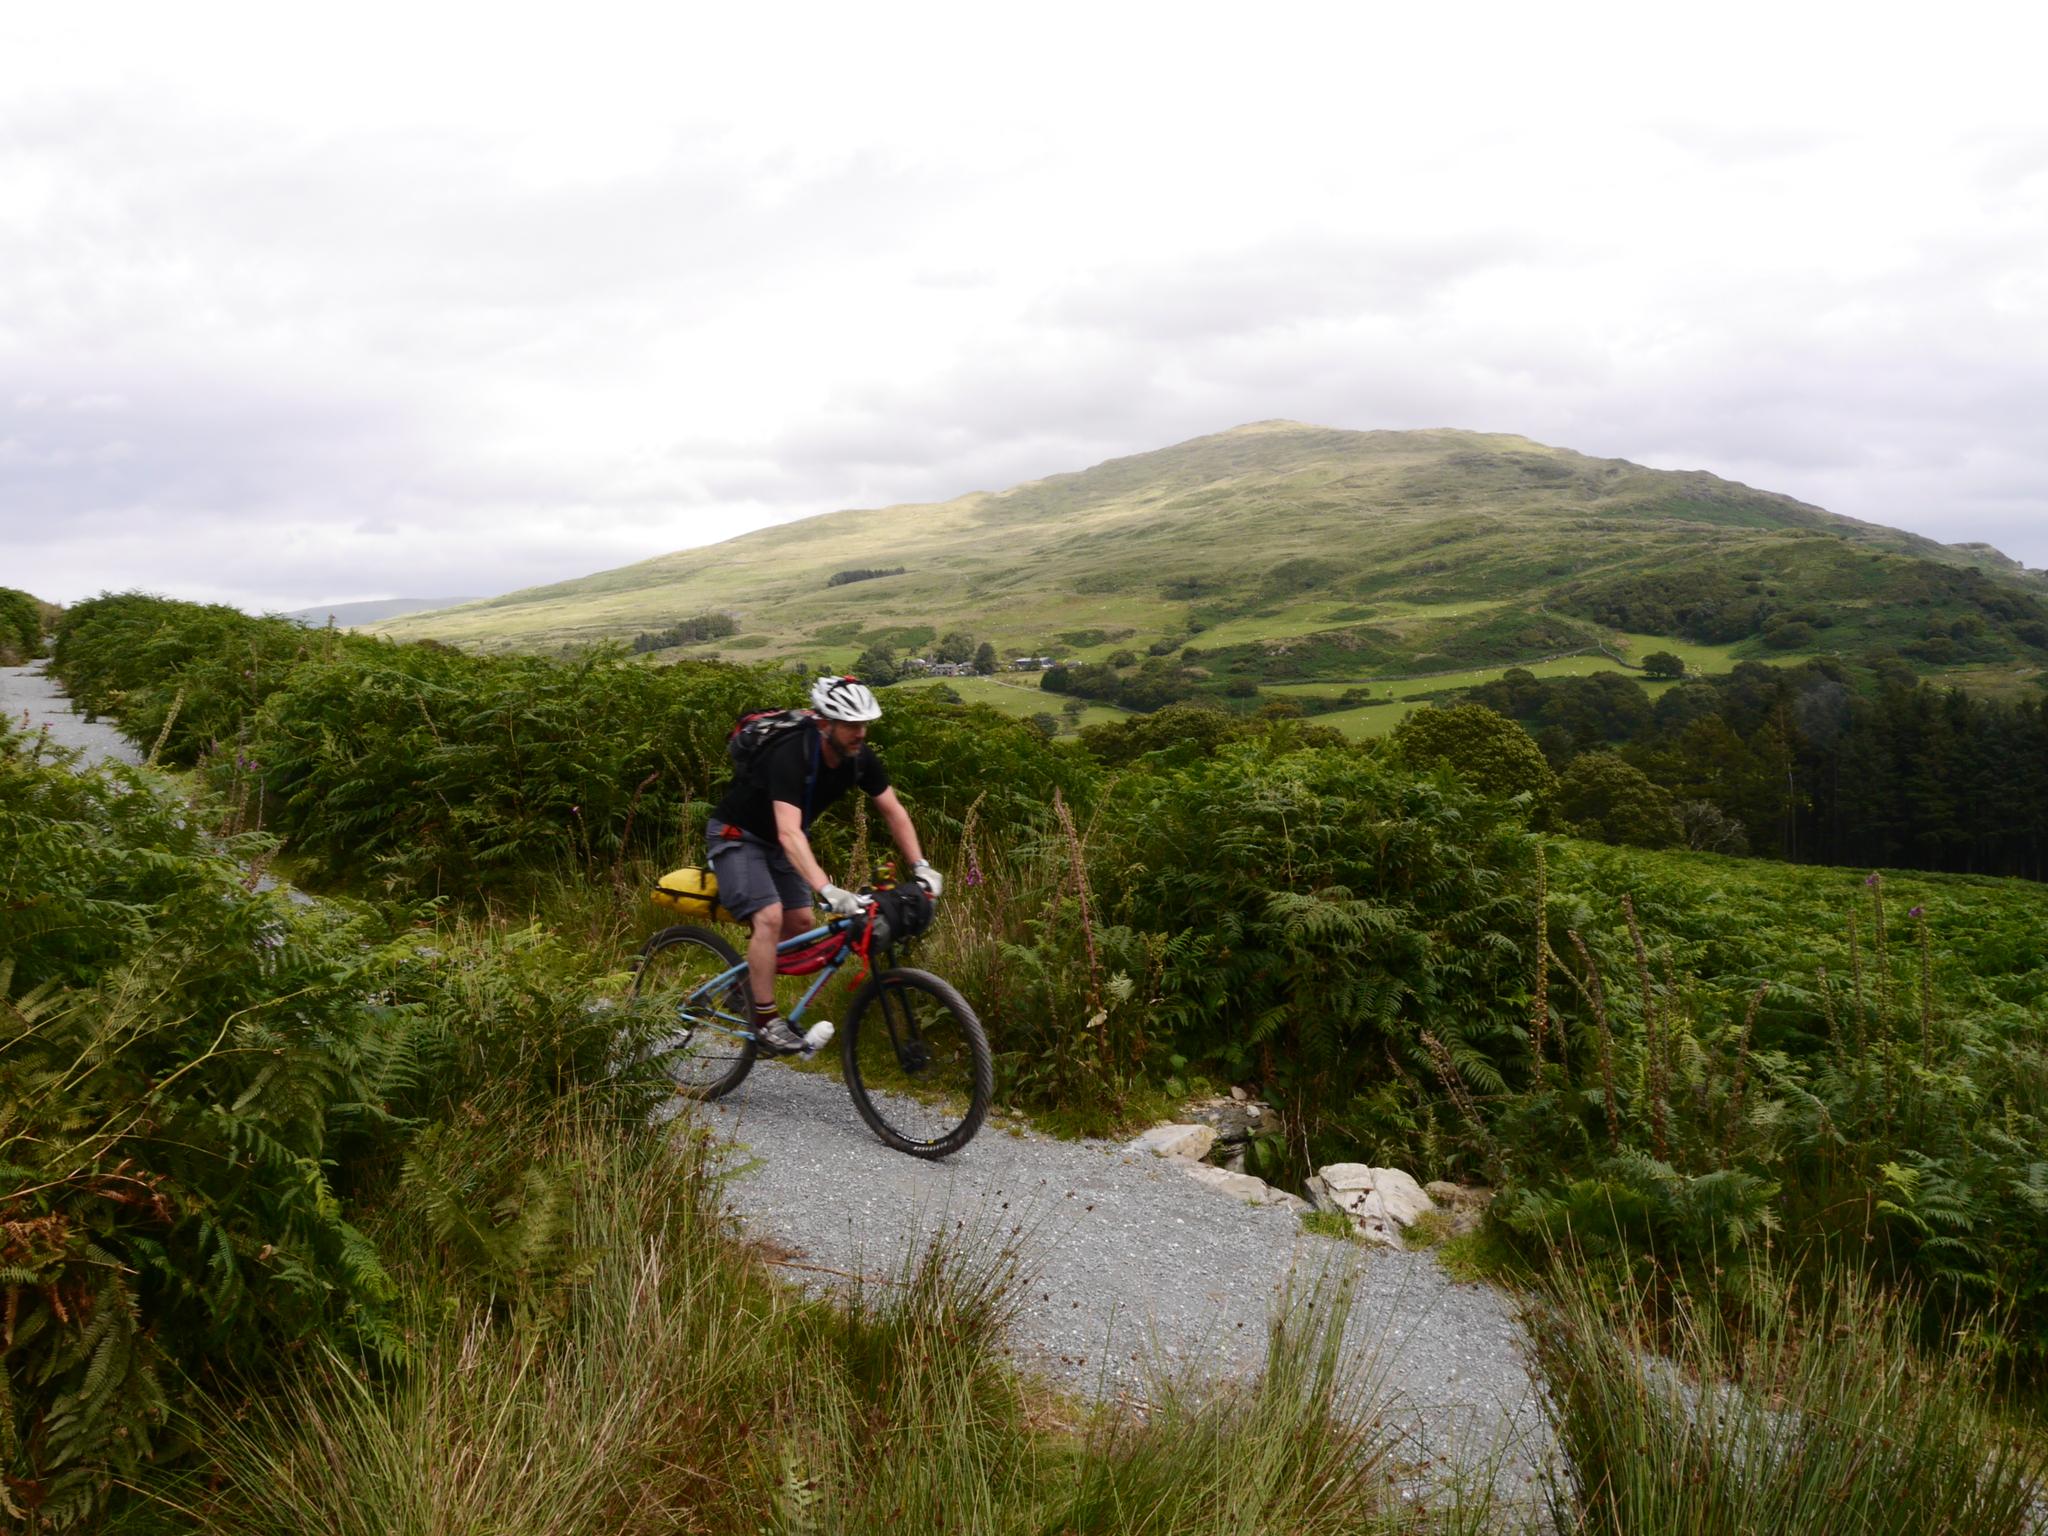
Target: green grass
1819,1419
1329,1224
1021,697
1369,722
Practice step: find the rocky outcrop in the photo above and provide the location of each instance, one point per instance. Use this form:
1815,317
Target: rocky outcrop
1381,1202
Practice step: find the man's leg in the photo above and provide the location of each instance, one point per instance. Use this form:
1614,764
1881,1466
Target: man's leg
770,1028
795,920
770,927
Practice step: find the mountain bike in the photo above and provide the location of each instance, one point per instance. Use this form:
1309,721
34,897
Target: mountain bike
914,1056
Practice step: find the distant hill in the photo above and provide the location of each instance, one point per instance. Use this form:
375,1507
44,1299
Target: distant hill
1279,554
348,614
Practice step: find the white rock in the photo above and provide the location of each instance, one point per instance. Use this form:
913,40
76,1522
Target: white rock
1379,1201
1191,1141
1402,1197
1239,1186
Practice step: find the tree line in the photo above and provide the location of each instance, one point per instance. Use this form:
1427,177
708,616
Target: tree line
1816,763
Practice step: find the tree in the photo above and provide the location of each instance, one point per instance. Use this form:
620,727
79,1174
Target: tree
1045,725
1663,664
877,666
1487,750
985,658
956,647
1606,797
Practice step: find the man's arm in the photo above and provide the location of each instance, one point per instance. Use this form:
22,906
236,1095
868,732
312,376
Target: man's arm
789,831
901,832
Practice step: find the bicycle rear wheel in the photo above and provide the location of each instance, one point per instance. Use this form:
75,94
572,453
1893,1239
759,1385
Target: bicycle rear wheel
917,1063
704,1040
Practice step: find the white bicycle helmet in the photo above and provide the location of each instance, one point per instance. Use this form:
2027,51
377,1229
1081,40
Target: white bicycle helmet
844,698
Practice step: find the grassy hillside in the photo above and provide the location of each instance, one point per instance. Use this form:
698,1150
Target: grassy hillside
1279,553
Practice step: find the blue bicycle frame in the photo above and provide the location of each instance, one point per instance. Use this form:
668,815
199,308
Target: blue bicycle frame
717,987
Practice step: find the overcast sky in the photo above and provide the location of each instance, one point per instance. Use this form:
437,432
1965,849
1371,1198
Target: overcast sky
433,300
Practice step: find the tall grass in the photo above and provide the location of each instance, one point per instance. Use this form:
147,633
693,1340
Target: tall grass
685,1389
1813,1421
637,1410
1299,1449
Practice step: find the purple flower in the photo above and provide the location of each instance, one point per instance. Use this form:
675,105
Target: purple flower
1915,912
1870,879
973,872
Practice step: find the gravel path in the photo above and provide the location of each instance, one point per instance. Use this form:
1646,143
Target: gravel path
30,698
1134,1264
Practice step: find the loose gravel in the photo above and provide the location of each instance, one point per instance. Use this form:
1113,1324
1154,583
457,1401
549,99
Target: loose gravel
31,699
1134,1267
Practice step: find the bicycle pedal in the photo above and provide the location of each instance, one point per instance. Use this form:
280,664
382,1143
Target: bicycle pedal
817,1037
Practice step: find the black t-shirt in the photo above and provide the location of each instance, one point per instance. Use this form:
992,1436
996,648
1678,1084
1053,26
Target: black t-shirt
780,774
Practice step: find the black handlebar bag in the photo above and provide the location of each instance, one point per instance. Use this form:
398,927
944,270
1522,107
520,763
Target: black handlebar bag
900,912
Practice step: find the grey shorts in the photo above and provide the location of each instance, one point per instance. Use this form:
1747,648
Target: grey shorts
752,874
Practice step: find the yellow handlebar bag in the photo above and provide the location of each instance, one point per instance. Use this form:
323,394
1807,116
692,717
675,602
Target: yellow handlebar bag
693,893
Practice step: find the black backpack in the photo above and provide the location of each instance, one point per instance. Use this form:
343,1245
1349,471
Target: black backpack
755,732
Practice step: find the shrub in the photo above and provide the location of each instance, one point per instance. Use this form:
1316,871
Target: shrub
1605,797
1336,913
1490,752
705,626
21,627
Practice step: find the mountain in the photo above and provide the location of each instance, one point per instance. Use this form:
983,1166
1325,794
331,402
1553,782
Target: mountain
346,615
1282,554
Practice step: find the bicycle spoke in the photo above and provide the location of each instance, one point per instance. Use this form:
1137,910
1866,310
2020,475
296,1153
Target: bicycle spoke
701,1039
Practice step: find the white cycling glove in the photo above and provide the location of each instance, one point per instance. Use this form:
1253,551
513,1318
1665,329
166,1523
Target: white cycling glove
927,877
839,902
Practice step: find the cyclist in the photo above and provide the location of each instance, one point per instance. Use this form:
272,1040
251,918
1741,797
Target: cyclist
758,847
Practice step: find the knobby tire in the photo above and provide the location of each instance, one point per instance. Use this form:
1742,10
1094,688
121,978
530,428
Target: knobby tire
703,1061
917,1063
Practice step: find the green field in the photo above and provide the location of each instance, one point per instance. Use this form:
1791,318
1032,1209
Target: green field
1022,698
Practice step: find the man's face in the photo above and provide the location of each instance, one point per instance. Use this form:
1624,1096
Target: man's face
846,736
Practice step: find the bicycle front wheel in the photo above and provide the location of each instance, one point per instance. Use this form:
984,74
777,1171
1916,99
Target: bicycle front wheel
703,1039
917,1063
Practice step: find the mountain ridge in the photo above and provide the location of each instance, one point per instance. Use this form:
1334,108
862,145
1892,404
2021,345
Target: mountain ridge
1411,547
